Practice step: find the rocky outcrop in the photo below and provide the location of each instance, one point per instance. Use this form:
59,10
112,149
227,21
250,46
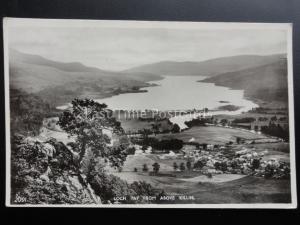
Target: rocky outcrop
45,173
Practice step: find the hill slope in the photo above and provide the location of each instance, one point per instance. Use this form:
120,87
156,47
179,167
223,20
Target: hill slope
267,83
60,82
209,67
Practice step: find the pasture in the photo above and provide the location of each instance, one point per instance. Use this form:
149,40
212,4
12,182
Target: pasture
211,135
224,188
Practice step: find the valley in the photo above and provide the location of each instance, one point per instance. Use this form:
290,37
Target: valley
241,144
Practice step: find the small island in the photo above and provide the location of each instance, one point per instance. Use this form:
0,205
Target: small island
224,101
229,107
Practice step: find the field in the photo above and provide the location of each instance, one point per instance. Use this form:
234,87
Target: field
212,135
247,189
224,188
134,125
221,188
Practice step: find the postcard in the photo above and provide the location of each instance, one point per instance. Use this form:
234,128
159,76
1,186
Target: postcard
147,114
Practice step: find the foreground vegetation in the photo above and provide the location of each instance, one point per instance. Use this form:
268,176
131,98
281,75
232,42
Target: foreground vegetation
99,163
51,172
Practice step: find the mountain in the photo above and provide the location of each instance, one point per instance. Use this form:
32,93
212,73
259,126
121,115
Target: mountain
262,77
39,60
267,83
210,67
60,82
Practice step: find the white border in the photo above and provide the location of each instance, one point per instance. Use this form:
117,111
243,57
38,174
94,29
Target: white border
155,24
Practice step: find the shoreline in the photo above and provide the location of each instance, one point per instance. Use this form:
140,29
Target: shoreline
228,109
260,102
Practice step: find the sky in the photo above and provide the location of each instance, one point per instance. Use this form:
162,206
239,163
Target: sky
120,45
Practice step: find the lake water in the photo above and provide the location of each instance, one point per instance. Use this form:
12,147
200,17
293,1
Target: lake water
179,93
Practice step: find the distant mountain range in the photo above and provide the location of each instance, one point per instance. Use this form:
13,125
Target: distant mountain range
59,82
262,77
210,67
267,82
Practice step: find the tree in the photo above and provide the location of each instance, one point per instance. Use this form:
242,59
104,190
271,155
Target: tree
145,168
86,121
142,188
244,120
176,128
221,166
131,151
27,112
156,167
209,175
182,166
144,148
274,118
155,128
255,164
189,165
145,133
199,164
135,169
175,166
238,140
224,122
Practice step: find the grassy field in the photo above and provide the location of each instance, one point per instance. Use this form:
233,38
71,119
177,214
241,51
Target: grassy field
245,190
218,178
137,161
134,125
211,135
222,189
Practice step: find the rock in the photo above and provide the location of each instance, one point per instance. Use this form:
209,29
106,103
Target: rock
45,176
48,149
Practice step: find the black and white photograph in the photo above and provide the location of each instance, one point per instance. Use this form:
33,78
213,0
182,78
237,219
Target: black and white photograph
153,114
